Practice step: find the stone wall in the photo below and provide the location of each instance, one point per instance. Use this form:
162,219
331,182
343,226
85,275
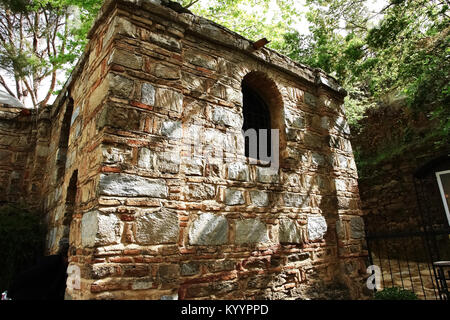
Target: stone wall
17,136
145,219
395,146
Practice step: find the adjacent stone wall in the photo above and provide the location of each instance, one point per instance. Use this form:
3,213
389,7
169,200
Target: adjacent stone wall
17,137
393,146
145,220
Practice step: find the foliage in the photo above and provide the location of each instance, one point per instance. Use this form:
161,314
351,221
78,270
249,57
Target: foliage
395,293
253,19
38,39
22,238
405,53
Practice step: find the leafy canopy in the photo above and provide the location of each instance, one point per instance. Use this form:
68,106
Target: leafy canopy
399,52
39,39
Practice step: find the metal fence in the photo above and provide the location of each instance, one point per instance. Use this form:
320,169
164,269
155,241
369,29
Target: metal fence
406,260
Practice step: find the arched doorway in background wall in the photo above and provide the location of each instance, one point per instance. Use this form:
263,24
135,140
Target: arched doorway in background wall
70,206
262,110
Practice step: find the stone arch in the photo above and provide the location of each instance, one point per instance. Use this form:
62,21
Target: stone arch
266,88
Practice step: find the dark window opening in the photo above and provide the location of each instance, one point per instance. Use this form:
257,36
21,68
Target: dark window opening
256,116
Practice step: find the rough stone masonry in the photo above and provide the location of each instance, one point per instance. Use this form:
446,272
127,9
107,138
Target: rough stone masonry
109,166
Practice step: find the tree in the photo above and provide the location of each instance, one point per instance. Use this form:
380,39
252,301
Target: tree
39,38
253,19
404,54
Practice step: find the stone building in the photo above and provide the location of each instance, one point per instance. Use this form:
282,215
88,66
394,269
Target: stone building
115,168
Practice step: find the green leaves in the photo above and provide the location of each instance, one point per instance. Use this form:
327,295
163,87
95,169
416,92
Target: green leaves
395,293
405,52
38,38
253,19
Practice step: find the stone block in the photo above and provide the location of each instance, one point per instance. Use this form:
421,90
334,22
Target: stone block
172,129
99,93
310,99
168,162
126,59
168,273
317,227
343,162
200,192
121,118
221,265
342,126
258,282
250,231
121,26
167,72
148,94
208,229
75,114
357,228
313,141
160,227
294,120
289,231
194,167
325,123
199,59
267,175
170,297
168,99
190,268
165,41
295,200
259,198
238,171
298,257
142,284
100,229
224,117
145,158
112,155
129,185
196,85
317,159
341,185
234,197
125,27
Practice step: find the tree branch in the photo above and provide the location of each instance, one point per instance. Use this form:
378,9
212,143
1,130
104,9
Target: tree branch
33,98
190,4
50,90
3,83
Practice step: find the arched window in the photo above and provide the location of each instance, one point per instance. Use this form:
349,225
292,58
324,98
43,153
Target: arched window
256,116
263,107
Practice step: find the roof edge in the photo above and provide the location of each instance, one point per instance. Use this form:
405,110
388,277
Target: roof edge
210,31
